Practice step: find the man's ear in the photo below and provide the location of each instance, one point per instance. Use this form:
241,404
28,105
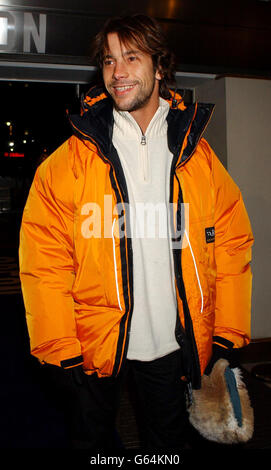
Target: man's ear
158,74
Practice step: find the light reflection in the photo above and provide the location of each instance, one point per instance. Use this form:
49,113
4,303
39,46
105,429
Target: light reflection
172,4
169,9
3,31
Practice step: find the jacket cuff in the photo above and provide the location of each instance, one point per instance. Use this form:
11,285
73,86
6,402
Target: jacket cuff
222,342
222,349
73,362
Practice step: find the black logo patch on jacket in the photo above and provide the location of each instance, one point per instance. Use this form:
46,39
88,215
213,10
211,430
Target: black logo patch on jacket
210,234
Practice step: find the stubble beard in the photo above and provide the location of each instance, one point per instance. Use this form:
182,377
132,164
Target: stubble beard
138,102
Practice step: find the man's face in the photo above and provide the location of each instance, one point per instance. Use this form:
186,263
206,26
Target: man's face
129,76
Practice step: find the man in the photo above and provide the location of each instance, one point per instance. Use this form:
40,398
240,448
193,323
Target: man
102,298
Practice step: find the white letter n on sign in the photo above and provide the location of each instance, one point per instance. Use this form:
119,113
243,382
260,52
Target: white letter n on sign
30,28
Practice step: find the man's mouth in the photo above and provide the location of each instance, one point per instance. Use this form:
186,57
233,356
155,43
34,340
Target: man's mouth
122,89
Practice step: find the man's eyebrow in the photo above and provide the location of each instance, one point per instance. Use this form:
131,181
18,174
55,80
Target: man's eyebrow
132,51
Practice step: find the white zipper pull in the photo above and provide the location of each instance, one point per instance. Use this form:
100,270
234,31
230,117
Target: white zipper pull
143,140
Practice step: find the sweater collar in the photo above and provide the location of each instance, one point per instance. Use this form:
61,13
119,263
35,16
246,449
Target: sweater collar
126,126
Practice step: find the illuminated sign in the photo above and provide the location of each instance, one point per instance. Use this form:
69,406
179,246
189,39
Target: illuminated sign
46,33
13,154
22,32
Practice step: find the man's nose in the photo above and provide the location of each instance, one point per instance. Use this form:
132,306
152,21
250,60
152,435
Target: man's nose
120,71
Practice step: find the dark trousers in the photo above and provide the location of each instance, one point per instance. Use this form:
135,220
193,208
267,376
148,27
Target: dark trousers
161,394
161,404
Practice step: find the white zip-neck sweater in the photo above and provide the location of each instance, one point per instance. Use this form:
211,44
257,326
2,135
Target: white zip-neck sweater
146,162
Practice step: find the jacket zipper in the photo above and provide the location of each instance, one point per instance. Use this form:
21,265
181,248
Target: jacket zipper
188,341
124,329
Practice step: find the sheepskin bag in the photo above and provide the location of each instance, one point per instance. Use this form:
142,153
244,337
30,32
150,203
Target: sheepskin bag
221,409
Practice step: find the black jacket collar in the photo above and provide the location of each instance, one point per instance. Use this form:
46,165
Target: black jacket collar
96,123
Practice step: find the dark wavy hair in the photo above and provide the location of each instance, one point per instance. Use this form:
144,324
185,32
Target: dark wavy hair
148,36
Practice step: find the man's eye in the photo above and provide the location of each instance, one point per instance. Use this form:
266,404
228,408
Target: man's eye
108,62
132,58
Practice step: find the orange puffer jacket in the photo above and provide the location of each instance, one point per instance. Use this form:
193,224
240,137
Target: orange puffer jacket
76,268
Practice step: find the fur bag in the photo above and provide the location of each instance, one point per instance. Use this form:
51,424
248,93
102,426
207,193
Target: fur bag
221,409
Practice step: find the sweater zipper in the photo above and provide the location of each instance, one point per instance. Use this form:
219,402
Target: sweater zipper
144,157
